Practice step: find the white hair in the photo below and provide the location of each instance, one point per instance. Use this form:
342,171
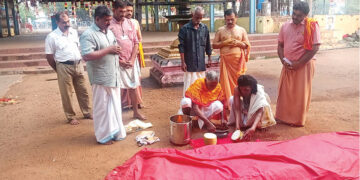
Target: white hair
198,9
212,76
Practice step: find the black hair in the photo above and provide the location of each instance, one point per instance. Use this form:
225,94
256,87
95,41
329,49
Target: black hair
119,4
247,80
229,12
102,11
59,14
129,3
302,6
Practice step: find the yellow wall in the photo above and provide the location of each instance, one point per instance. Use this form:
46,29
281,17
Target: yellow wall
343,24
346,24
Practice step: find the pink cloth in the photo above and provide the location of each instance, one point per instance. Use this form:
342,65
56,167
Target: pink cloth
317,156
292,36
126,37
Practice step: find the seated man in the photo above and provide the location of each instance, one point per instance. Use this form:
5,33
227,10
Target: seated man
250,106
204,99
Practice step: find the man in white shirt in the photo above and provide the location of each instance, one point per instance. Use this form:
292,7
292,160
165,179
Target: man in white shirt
63,55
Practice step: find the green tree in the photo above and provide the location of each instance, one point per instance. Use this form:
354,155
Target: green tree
26,13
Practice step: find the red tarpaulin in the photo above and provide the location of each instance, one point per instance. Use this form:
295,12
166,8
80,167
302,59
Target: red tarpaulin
318,156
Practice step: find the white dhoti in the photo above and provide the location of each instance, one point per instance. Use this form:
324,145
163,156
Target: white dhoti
191,77
130,78
107,115
257,101
214,108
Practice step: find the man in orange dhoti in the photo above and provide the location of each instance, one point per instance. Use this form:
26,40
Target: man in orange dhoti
299,40
234,47
204,99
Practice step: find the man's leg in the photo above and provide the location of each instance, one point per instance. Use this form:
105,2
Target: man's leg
213,111
81,91
65,81
134,101
256,118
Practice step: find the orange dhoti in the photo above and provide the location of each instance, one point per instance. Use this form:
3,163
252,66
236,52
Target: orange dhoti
294,94
231,67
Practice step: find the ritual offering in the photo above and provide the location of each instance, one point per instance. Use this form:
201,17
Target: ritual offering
237,135
210,139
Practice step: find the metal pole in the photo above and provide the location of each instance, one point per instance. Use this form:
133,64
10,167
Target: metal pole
16,23
138,10
156,17
147,16
252,18
169,14
212,18
7,17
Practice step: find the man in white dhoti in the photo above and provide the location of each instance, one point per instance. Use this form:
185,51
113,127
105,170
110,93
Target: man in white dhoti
204,99
194,42
126,36
250,106
100,51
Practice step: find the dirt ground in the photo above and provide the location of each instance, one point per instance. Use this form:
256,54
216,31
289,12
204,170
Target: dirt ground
37,143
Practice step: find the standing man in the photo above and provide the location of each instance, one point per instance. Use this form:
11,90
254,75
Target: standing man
99,48
194,41
233,42
126,37
63,55
299,40
125,98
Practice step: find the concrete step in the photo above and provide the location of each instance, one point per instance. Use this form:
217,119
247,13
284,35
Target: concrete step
22,50
263,55
256,44
255,49
253,37
23,63
27,70
22,56
41,66
263,42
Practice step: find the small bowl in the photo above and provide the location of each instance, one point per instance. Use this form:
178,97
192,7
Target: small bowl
210,139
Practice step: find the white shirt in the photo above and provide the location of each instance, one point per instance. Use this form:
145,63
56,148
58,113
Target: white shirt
63,47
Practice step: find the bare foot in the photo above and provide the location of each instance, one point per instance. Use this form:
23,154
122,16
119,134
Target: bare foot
74,122
108,143
140,106
139,116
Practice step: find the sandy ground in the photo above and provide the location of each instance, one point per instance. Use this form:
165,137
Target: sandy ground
37,143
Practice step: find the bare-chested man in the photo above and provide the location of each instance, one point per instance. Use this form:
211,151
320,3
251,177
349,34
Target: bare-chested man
234,47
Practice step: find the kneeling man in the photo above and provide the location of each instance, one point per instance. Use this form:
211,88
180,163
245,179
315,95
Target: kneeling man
250,106
204,99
